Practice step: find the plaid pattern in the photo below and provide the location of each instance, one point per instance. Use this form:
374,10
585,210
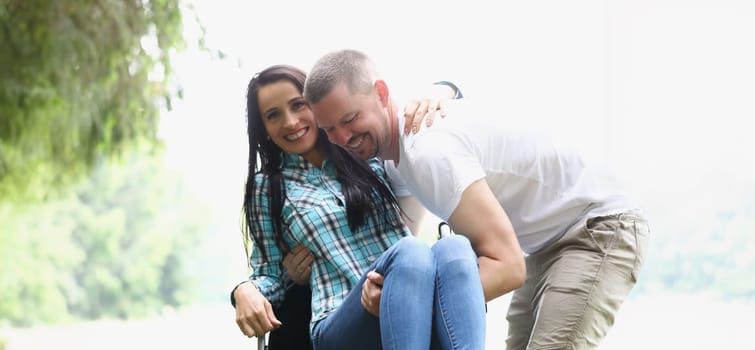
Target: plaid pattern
314,214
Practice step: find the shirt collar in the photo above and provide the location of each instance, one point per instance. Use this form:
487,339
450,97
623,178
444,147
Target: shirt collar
296,161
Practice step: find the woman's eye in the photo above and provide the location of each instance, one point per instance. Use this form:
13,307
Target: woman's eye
271,115
299,105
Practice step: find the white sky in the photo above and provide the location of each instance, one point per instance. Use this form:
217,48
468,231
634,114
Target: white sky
661,89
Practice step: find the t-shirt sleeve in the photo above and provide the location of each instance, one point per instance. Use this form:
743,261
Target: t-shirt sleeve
443,164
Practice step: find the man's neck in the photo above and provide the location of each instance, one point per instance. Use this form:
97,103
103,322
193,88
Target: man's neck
392,152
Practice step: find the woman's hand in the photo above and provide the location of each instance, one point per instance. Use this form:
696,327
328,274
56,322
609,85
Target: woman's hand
254,314
427,108
417,110
298,264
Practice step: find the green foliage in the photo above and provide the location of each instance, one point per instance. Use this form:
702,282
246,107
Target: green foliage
79,80
32,256
119,246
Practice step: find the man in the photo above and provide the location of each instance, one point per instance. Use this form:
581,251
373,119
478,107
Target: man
510,192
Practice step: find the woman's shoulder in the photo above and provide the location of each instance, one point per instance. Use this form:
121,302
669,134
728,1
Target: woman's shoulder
378,166
261,182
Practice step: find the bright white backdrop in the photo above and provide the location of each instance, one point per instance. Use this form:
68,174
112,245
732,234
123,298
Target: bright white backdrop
662,90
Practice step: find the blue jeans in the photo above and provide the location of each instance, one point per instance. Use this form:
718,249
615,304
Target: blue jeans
430,296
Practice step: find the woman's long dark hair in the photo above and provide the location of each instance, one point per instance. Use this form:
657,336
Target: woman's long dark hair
362,188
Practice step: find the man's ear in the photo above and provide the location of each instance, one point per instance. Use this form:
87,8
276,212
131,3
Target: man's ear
382,90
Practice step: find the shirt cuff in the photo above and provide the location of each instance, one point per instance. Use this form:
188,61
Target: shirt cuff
233,298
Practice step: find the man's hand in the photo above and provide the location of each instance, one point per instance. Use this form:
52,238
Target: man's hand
254,314
372,289
298,263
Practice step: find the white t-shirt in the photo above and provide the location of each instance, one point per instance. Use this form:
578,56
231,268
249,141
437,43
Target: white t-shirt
545,188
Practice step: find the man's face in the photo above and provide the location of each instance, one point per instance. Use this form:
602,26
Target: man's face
356,122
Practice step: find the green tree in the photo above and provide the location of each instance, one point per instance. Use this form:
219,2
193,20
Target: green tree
80,80
121,245
35,260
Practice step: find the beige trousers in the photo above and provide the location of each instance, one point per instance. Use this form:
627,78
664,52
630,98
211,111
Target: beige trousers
575,286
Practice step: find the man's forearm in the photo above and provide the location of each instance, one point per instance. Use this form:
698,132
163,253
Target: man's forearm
500,277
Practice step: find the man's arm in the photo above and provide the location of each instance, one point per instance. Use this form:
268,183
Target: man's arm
372,288
409,204
414,210
481,218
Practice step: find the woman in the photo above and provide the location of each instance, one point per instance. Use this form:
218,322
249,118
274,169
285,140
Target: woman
306,191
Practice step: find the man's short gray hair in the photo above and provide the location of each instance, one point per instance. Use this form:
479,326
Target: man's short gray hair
350,66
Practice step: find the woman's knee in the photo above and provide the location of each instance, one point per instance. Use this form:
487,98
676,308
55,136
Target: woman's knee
414,252
455,247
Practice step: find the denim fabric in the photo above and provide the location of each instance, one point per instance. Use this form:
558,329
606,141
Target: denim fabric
415,309
459,300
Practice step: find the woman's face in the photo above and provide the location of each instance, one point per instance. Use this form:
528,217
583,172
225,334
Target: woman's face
287,117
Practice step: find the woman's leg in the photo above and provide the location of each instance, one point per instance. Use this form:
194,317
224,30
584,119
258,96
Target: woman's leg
406,305
350,326
459,321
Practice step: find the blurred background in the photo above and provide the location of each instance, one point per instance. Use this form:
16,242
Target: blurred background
123,149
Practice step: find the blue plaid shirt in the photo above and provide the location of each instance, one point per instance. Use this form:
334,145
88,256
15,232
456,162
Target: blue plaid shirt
314,214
